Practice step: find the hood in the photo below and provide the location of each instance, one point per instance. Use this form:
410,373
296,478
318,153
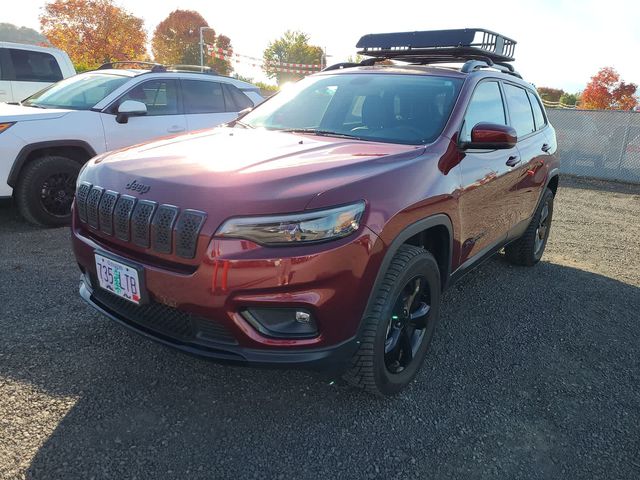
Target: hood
18,113
234,171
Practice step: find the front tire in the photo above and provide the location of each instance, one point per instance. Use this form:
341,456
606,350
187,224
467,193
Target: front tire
399,327
45,190
528,249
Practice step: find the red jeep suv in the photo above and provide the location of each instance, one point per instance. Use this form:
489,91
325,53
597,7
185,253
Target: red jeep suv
320,229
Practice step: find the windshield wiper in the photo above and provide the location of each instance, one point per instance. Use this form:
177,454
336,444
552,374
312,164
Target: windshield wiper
322,133
32,105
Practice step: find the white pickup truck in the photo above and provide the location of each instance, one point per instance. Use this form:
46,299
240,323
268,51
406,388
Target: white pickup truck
27,69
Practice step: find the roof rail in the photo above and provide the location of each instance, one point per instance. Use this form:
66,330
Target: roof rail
190,69
473,65
436,46
106,66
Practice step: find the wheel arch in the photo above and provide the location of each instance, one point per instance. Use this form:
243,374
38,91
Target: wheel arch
77,150
435,234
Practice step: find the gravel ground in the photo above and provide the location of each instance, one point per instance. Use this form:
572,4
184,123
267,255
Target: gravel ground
534,373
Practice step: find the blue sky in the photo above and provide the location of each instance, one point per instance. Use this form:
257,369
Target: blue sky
560,43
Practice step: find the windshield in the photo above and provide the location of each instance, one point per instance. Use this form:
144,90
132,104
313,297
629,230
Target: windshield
391,108
80,92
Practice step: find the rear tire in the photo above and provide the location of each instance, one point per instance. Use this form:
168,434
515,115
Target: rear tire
395,338
45,190
528,249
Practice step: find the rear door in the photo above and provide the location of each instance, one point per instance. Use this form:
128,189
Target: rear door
31,71
532,146
164,114
488,182
6,94
206,104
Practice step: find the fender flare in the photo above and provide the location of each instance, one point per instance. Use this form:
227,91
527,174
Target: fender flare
21,158
437,220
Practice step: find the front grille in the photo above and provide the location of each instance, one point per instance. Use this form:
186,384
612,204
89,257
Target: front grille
141,222
188,228
122,216
81,200
93,200
162,228
165,320
107,205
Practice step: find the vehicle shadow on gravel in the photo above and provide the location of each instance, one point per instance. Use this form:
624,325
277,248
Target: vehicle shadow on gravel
533,372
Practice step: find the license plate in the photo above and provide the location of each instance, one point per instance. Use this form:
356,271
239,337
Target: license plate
118,278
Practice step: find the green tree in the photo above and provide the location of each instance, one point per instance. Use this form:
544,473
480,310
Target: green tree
176,41
569,99
292,47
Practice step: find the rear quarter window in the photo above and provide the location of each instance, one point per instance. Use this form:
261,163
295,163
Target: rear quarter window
31,66
519,110
235,100
538,116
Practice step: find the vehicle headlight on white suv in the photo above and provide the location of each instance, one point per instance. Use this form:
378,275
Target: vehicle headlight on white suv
307,227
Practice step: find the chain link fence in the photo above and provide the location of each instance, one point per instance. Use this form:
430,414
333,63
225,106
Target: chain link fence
598,144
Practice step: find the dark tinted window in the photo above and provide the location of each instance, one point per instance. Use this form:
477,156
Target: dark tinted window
236,100
31,66
202,97
519,110
485,106
538,116
160,96
410,109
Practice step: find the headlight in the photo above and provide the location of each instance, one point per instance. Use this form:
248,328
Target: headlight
297,228
5,125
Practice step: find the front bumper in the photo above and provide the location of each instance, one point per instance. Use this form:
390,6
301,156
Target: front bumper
333,281
333,358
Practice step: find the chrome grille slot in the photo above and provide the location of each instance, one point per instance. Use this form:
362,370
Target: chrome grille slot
141,222
122,216
105,212
93,200
187,231
81,200
162,228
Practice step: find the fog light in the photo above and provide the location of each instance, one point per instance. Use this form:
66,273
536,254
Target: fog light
303,317
281,322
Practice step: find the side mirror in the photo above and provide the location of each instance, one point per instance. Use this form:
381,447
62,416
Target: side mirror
492,136
130,108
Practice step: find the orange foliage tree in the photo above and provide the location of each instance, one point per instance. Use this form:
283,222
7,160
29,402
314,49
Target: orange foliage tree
93,31
606,91
176,41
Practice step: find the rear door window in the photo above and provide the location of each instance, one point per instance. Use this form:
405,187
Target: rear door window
29,66
485,106
519,110
202,97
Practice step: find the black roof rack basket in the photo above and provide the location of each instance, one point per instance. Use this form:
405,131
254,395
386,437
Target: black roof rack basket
439,46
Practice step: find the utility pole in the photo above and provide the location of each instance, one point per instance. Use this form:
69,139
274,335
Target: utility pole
202,47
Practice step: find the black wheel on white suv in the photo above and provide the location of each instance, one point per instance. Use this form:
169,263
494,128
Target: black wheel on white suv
45,190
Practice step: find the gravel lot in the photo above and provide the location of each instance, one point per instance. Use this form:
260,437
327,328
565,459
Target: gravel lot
534,373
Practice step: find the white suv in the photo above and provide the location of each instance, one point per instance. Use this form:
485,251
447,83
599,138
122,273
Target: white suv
26,69
46,139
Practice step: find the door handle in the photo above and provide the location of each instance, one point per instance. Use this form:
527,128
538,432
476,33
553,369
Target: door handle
175,129
513,161
546,147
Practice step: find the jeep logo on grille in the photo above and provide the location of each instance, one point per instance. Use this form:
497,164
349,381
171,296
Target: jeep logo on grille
138,187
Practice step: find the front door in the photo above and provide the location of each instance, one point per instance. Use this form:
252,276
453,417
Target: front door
488,177
164,115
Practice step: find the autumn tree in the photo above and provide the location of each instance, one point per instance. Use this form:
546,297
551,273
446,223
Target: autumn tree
292,47
176,41
550,94
93,31
606,91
